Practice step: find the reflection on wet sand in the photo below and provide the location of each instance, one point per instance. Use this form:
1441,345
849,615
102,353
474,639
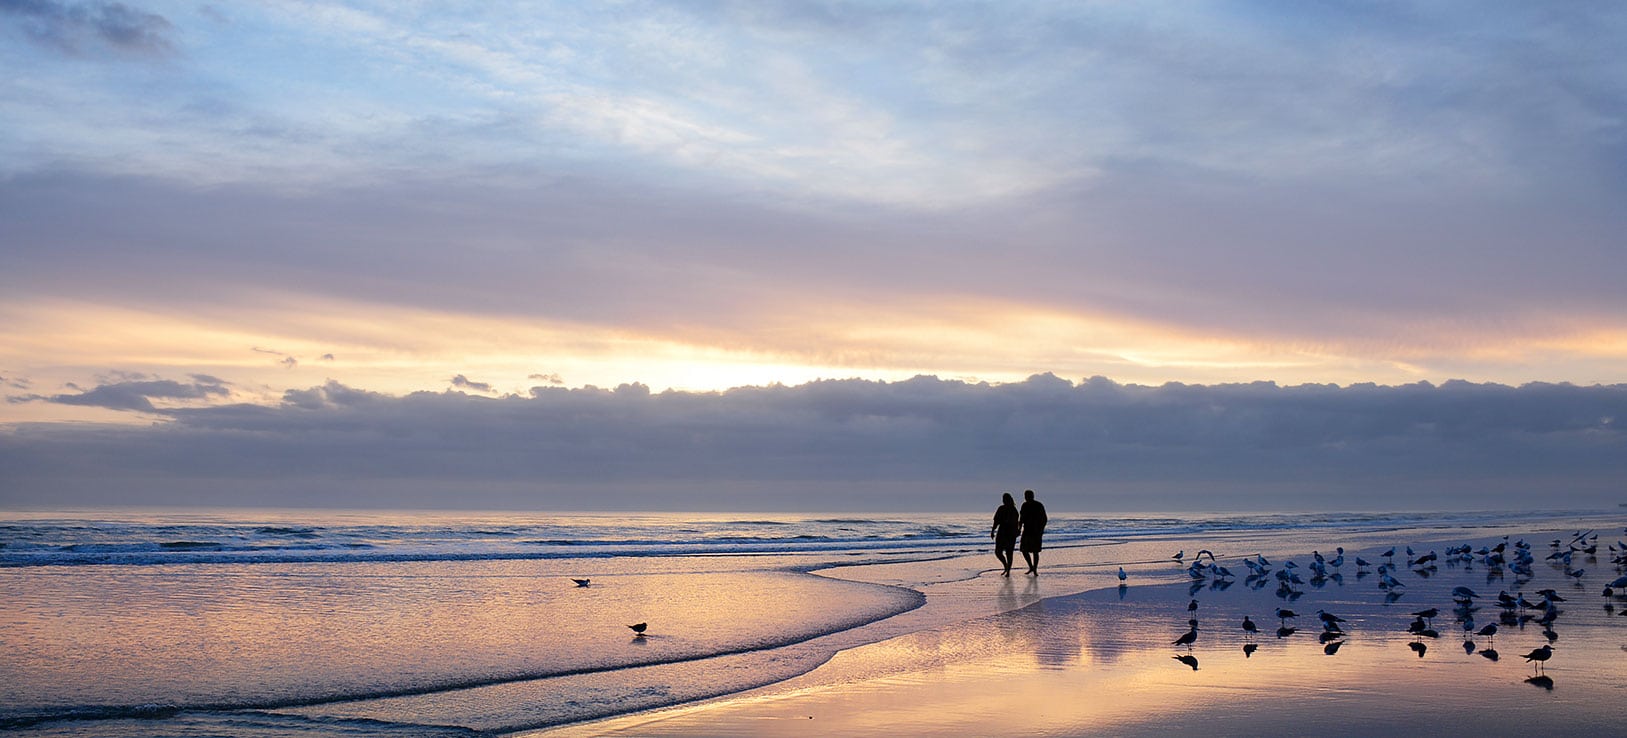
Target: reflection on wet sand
1099,662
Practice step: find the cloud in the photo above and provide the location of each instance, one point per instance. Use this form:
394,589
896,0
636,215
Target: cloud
137,395
552,378
1091,445
78,28
464,382
287,361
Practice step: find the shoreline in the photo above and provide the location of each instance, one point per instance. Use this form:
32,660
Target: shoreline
851,694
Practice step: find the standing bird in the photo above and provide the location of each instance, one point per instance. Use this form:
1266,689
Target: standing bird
639,628
1540,656
1249,627
1187,638
1122,575
1490,631
1192,606
1619,585
1283,614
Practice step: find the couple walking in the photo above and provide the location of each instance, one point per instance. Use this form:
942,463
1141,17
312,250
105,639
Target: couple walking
1010,523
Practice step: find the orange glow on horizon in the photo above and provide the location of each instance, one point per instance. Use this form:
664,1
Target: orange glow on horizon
266,346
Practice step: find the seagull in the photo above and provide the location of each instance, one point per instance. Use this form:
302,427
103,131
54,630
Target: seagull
1192,606
1179,555
581,582
1284,614
639,628
1428,614
1187,638
1329,618
1540,655
1122,575
1490,631
1620,583
1249,627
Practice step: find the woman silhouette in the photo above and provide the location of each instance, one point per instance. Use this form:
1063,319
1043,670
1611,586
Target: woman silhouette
1004,532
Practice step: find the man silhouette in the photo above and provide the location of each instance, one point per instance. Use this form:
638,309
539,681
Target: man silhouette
1032,521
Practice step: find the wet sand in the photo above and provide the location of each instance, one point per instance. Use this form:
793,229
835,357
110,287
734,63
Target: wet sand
1072,654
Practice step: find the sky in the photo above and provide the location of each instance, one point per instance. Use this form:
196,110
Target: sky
775,255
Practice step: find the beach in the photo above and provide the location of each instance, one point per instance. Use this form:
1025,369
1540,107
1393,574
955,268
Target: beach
801,626
1102,662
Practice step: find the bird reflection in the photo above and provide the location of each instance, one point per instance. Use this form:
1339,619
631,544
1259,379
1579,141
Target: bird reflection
1489,654
1540,680
1188,659
1248,649
1332,648
1418,647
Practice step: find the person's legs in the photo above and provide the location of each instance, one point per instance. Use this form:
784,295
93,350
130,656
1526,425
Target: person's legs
1033,563
1005,560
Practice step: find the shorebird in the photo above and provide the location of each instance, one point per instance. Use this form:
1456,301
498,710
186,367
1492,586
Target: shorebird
581,582
1187,638
1539,656
1329,618
1428,614
1490,631
1283,614
1192,606
639,628
1122,575
1620,583
1249,627
1179,555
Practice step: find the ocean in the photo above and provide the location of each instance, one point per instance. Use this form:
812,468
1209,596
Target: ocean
286,623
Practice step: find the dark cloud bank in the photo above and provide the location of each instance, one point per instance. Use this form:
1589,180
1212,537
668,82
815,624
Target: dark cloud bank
922,444
81,28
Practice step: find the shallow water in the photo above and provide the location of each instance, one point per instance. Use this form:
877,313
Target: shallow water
1103,662
284,623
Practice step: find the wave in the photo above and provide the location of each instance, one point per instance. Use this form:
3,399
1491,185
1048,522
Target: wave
114,542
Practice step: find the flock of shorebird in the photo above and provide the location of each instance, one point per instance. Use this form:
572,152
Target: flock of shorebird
1514,610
